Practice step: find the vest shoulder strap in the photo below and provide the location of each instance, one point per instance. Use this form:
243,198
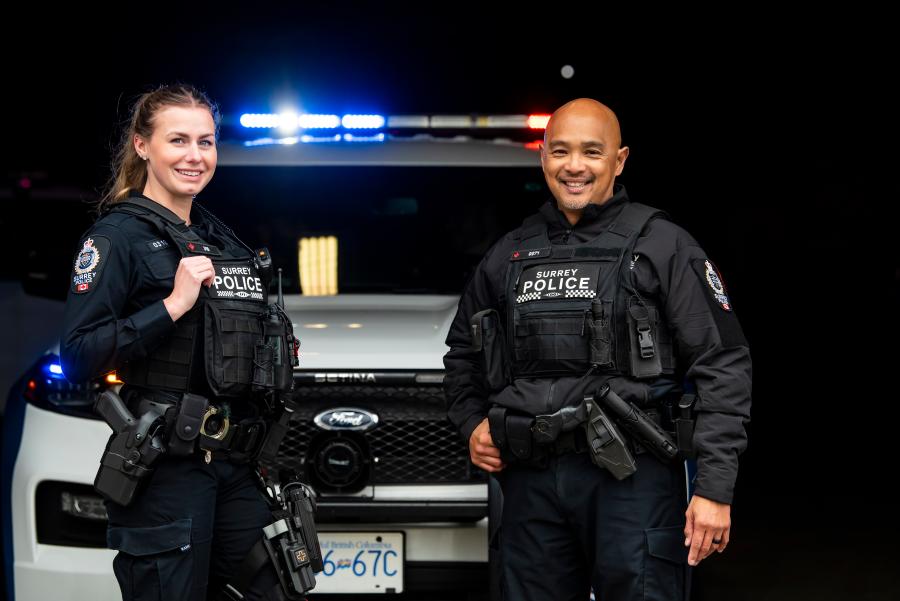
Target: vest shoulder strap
633,218
152,207
166,222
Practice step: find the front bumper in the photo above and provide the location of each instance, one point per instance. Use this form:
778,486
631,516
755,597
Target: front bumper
68,449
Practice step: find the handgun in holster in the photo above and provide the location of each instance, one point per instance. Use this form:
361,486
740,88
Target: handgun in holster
606,445
133,448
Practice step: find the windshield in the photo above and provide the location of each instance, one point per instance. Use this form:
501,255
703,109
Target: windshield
374,229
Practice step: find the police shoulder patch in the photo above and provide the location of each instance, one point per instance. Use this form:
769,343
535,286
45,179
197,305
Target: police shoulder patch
710,276
89,262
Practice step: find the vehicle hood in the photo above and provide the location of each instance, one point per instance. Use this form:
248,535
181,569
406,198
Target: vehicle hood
371,331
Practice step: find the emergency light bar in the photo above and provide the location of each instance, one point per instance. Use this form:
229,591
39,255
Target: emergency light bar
395,122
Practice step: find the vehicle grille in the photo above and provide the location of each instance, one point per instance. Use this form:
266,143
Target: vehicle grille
413,443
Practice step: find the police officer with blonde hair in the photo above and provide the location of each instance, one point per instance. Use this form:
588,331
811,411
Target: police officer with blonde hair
168,296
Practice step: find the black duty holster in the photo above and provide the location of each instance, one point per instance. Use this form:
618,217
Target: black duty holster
132,450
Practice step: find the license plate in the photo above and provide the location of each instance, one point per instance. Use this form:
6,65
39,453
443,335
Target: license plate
361,562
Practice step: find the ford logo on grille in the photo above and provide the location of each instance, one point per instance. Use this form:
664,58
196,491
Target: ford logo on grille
346,418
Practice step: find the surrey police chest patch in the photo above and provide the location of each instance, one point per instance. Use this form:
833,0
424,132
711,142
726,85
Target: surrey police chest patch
237,282
558,281
88,263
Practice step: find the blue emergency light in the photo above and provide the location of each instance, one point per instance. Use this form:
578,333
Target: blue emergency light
54,370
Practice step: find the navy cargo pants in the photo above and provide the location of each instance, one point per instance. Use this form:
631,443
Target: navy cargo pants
188,531
573,526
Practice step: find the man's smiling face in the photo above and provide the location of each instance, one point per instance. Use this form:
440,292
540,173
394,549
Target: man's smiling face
581,155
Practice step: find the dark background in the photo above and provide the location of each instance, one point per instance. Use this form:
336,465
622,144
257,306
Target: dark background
772,140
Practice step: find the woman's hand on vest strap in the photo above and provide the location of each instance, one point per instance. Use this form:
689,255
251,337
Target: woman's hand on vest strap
192,273
482,450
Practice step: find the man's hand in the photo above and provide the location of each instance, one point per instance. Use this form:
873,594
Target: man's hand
482,450
708,528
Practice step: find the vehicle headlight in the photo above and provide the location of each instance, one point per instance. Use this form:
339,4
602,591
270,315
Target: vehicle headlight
46,387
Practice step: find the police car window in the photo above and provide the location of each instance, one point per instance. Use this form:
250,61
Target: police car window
392,229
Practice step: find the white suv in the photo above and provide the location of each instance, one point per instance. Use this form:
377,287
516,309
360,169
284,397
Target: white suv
376,240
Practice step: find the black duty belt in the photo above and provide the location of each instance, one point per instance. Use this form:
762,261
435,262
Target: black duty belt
570,442
576,442
220,436
240,443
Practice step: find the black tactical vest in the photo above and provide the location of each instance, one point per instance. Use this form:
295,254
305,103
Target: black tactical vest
573,308
230,319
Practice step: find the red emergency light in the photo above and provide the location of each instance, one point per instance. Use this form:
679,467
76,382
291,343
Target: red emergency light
538,121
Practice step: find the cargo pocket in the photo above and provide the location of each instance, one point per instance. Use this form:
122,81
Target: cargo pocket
666,564
154,563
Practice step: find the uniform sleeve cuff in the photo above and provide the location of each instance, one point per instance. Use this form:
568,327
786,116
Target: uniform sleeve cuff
153,323
469,426
719,496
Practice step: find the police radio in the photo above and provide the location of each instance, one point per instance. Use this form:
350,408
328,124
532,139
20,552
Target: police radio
292,541
276,355
289,544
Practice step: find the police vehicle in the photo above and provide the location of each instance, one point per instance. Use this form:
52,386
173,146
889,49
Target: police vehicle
376,222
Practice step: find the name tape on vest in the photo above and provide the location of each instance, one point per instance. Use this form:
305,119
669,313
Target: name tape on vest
201,248
155,245
533,253
558,281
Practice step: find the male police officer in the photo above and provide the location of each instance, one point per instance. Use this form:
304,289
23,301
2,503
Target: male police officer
596,290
